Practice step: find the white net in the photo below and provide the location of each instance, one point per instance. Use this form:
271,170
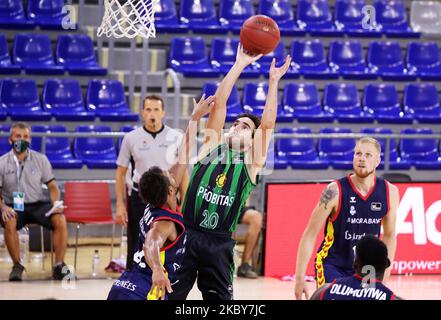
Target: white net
128,18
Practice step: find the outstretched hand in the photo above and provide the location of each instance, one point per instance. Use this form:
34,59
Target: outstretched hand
244,59
203,107
276,74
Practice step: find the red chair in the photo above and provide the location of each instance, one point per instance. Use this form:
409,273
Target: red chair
88,203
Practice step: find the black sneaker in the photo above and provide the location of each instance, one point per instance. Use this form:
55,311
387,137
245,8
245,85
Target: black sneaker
16,272
61,271
246,271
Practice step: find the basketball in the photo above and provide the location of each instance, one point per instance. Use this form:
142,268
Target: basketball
259,34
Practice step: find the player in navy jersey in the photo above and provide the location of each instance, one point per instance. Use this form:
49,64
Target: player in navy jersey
352,207
162,237
371,261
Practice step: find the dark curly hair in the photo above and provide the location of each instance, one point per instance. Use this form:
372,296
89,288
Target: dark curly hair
153,187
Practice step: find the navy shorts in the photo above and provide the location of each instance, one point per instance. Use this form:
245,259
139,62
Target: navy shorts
332,272
33,213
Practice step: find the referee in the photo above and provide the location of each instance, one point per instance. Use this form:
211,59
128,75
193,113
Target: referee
153,144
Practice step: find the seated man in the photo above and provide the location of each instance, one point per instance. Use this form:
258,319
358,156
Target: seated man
22,201
253,219
370,263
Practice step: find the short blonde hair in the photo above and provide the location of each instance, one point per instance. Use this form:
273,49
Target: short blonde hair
371,140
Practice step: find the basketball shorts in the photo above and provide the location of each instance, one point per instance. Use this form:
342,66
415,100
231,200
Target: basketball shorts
332,272
33,213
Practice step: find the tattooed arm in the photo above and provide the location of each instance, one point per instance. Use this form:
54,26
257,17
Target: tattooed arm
326,206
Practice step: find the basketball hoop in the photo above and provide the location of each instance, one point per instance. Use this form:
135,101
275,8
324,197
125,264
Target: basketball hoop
128,19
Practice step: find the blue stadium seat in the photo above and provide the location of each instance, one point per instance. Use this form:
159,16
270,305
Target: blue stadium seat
76,53
5,146
48,14
33,52
189,57
339,151
395,162
348,16
342,100
273,160
264,63
424,59
391,16
12,15
223,55
309,59
315,17
107,99
166,18
20,98
347,59
300,153
95,152
234,107
64,99
281,12
6,66
303,100
254,98
200,16
233,13
383,102
386,60
422,101
422,153
3,111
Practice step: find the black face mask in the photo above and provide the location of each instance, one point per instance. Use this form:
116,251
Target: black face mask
20,146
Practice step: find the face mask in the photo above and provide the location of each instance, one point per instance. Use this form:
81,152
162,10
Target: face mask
20,146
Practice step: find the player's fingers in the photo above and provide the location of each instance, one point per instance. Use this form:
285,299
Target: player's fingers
273,63
202,98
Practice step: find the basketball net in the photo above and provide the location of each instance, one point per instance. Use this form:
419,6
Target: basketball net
128,19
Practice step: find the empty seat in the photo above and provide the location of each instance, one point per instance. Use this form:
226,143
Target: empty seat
391,16
383,102
5,146
107,99
33,52
64,99
303,101
273,160
234,107
48,14
200,16
348,16
342,100
422,101
395,161
301,153
254,99
233,13
424,59
425,16
386,59
95,152
347,59
20,98
339,151
264,63
281,12
166,18
422,153
309,59
189,57
76,53
6,66
223,55
12,15
315,16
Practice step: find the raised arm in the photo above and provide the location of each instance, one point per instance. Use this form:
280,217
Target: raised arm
263,134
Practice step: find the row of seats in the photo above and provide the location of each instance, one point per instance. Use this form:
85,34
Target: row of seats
298,153
341,102
312,16
47,14
63,99
189,56
338,153
74,53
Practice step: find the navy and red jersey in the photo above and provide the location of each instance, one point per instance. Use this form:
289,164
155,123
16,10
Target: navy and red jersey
356,216
354,288
136,283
